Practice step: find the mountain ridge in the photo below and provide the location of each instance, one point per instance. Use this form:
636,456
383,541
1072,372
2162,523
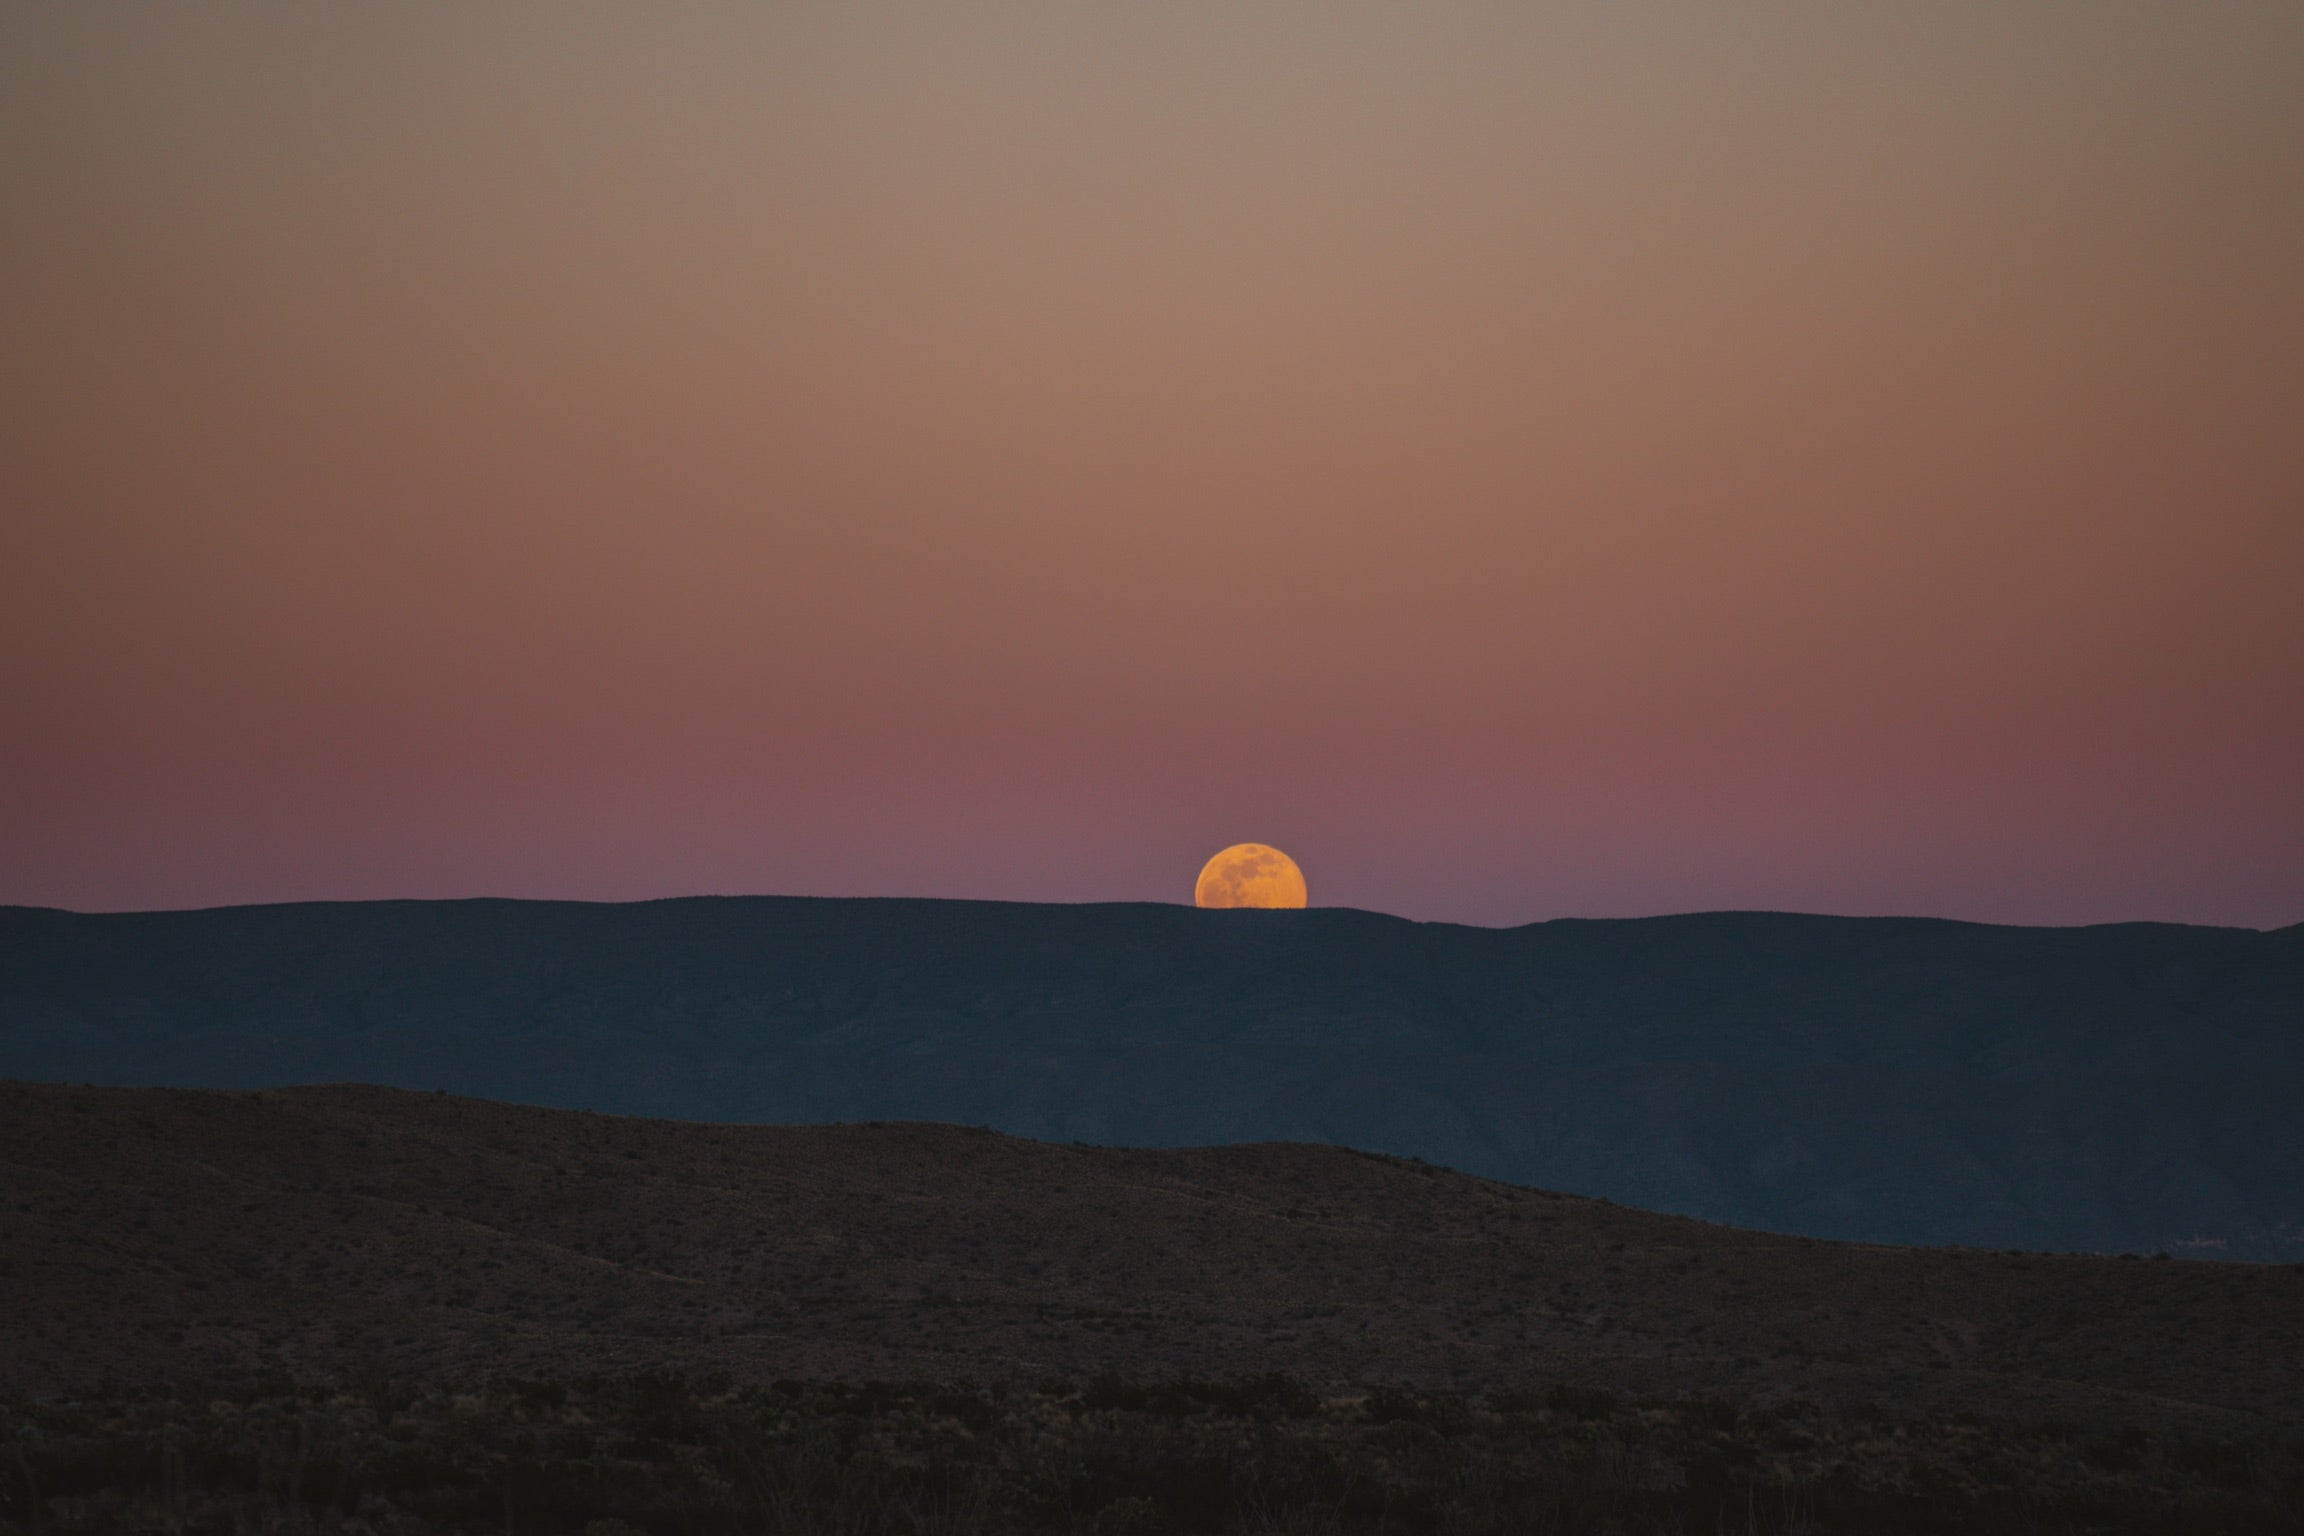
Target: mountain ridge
2115,1086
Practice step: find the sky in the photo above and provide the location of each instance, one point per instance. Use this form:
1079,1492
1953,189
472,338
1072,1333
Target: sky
1523,460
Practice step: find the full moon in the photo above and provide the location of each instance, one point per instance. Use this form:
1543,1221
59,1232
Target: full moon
1249,875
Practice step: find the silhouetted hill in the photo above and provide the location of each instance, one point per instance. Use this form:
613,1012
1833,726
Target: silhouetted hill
355,1310
333,1233
2126,1087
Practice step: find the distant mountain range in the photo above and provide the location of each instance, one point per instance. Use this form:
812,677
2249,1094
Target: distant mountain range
2136,1087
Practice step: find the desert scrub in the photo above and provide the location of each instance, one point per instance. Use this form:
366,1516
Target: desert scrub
660,1453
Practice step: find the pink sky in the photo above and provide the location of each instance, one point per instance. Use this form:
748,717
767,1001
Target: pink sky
1522,461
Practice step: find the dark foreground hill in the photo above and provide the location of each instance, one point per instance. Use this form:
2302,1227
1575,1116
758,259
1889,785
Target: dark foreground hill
355,1309
331,1230
361,1309
2117,1088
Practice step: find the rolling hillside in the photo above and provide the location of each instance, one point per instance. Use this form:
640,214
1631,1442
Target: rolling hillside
361,1309
320,1233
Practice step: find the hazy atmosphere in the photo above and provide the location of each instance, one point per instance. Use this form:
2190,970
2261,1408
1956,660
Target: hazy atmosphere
1523,461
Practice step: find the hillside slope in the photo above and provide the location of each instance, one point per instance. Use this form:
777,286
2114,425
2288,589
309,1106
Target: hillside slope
345,1232
1897,1080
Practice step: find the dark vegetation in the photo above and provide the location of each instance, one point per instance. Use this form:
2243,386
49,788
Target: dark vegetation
1106,1457
154,1234
356,1309
2088,1089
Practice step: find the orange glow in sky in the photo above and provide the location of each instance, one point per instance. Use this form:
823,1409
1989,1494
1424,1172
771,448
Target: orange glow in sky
1524,460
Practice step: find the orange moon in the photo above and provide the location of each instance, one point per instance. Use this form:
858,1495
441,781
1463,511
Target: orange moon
1249,875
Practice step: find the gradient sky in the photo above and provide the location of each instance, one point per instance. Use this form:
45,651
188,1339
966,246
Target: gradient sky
1523,460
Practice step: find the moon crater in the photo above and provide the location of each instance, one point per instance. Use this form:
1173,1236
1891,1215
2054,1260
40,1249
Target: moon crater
1250,875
